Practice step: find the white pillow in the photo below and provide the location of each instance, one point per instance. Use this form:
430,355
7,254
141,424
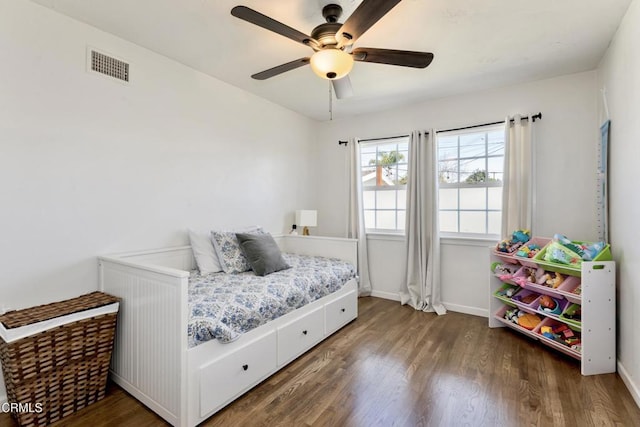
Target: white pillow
203,252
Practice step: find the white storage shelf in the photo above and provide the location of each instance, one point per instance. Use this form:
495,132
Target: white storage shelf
598,320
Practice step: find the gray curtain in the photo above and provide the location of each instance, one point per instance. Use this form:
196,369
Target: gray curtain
355,224
421,286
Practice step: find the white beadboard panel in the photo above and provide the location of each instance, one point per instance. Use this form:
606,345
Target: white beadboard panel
139,357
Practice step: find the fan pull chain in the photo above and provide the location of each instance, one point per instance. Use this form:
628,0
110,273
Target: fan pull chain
330,103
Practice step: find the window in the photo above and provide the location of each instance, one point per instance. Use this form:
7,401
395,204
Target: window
384,183
470,175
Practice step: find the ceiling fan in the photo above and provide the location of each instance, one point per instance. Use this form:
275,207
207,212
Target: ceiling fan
333,41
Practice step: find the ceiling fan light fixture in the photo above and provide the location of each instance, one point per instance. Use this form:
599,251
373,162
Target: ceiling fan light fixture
331,63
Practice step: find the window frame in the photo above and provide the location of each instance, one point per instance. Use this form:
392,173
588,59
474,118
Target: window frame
464,185
397,140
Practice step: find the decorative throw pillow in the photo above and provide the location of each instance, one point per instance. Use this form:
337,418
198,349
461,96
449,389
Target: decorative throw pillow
262,253
203,252
228,250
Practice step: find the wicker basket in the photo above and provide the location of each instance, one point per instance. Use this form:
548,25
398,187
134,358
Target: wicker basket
54,373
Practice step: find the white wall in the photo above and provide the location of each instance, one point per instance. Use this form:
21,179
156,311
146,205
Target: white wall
619,76
566,141
90,166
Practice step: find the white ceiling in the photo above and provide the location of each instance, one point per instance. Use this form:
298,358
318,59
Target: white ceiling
478,44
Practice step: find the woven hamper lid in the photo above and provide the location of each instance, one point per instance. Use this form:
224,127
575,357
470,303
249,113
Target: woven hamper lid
27,316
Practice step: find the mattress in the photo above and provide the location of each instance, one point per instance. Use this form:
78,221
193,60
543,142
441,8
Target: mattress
224,306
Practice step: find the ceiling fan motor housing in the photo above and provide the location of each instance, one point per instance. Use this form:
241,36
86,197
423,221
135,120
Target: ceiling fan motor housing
325,34
332,12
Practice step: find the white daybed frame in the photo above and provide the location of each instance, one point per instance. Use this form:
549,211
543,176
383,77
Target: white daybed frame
185,386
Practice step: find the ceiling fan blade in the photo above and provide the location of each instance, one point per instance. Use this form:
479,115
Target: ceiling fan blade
271,72
404,58
363,18
342,87
271,24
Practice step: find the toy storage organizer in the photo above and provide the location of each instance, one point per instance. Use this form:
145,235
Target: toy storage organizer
55,357
590,287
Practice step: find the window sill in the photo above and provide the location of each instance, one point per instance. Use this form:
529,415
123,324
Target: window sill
483,241
444,240
395,237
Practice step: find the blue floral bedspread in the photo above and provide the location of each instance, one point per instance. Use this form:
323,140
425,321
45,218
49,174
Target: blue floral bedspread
224,306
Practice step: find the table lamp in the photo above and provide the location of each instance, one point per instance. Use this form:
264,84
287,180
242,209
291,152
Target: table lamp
305,219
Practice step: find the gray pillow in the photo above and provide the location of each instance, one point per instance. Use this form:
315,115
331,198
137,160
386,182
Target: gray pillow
262,253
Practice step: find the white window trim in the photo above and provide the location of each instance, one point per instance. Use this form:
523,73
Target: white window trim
383,231
461,236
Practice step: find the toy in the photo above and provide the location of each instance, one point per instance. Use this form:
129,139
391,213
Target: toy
564,335
585,251
521,236
527,275
528,321
574,311
507,292
526,298
551,279
560,254
504,271
549,305
528,250
518,238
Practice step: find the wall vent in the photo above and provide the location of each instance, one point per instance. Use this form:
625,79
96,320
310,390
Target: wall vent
109,66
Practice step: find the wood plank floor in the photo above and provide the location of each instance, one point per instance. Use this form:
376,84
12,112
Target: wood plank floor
394,366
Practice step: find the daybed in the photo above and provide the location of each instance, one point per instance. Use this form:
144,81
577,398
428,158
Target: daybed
185,385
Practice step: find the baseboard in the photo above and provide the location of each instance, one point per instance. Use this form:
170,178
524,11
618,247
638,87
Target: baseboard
386,295
466,309
626,379
450,307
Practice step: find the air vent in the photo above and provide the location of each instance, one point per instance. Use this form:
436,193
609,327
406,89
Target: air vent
109,66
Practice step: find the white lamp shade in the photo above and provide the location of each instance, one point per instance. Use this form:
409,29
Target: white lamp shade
331,64
306,218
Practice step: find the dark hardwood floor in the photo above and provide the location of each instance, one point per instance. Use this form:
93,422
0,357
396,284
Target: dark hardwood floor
394,366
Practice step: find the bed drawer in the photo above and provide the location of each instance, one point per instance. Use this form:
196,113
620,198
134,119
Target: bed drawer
225,378
300,335
341,311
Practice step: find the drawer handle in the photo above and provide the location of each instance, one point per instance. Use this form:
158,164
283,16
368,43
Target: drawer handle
245,367
343,310
304,332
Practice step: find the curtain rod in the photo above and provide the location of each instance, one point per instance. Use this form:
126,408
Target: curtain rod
533,119
377,139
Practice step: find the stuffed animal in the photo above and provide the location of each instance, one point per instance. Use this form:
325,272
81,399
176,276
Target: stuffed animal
554,280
